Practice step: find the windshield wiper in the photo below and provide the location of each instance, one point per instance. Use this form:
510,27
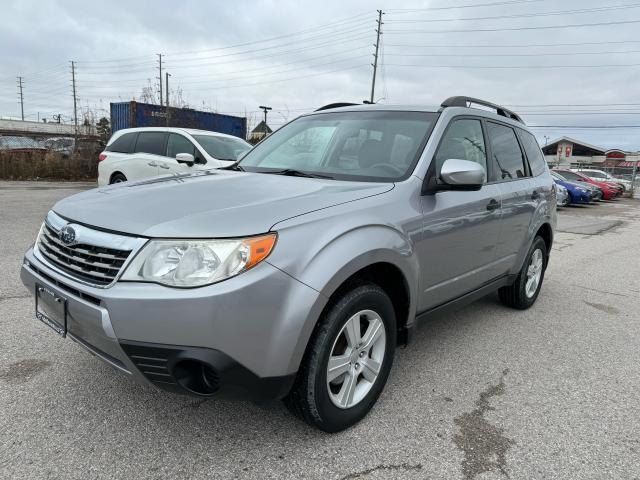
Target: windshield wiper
234,166
292,172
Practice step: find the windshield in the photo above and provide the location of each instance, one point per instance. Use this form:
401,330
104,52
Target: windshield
365,146
222,148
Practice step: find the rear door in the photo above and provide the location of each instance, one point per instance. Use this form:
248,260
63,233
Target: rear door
510,173
149,150
457,248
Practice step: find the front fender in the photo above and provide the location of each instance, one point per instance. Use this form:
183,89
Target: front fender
325,259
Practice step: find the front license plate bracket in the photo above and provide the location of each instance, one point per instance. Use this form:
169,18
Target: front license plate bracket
51,309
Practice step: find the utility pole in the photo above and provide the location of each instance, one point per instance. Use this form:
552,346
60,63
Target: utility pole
375,55
21,98
166,87
265,110
75,98
160,76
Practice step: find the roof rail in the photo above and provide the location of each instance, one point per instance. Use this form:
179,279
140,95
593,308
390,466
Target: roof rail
467,101
335,105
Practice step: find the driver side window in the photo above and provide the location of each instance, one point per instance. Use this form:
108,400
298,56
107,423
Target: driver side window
463,140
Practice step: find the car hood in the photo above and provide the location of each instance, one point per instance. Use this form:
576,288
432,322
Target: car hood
213,203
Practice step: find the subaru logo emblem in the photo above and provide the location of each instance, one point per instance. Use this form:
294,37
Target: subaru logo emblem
68,235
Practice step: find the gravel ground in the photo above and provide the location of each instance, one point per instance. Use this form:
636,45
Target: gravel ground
484,393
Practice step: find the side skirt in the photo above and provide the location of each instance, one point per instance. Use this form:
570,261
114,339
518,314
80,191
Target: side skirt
461,301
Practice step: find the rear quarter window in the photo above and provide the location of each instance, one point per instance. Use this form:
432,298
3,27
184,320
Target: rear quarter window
534,154
122,144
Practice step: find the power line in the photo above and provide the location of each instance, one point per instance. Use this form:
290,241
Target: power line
515,67
480,45
454,7
542,54
521,15
511,29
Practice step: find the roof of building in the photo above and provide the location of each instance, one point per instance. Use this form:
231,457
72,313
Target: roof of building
555,142
262,127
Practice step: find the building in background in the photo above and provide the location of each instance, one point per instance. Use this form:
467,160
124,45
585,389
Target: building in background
569,152
262,130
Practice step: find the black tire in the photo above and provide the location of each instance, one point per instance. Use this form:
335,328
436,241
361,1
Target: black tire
514,295
117,178
309,398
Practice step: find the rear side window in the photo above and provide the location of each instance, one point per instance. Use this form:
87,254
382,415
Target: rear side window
534,154
507,158
570,175
463,141
122,144
179,144
152,142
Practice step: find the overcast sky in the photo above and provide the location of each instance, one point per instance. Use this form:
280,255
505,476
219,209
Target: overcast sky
295,56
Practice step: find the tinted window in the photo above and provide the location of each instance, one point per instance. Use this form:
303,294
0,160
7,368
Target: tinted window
222,148
464,141
534,154
346,145
570,175
508,162
179,144
122,144
152,142
595,174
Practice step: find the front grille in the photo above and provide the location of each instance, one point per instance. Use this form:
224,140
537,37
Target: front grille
92,264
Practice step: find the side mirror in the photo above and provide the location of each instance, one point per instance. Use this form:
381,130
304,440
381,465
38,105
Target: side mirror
462,174
185,158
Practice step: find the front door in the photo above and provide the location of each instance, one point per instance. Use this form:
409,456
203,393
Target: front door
457,248
177,144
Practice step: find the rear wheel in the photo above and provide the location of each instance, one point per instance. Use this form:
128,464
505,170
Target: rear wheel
117,178
524,291
347,361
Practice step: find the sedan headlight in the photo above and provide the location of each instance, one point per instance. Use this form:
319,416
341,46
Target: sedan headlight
195,263
583,190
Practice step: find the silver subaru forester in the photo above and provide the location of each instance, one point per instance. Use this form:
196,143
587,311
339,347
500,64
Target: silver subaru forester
295,272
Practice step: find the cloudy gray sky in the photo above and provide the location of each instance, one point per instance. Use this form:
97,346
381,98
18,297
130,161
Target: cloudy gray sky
567,63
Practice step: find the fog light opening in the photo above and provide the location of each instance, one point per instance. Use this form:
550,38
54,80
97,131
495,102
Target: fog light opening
196,377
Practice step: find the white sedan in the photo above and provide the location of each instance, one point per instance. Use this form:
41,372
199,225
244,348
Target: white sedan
138,153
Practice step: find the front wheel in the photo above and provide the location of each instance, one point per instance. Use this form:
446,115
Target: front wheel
347,362
524,291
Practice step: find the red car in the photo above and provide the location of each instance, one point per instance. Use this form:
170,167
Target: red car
609,190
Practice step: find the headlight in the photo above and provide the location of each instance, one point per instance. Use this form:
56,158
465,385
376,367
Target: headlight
583,190
195,263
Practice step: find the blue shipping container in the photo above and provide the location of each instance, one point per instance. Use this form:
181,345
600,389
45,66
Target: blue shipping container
134,114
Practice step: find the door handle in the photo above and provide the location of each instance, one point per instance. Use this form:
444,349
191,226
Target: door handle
152,164
535,195
492,205
164,165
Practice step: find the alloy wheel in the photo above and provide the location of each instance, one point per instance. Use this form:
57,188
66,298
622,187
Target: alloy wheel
534,273
356,359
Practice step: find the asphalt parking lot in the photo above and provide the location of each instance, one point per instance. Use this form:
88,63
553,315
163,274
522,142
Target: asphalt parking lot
486,392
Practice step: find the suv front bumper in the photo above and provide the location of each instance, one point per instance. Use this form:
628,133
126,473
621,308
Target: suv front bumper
250,330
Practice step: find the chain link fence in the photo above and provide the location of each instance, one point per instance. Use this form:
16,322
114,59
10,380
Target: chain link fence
624,172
